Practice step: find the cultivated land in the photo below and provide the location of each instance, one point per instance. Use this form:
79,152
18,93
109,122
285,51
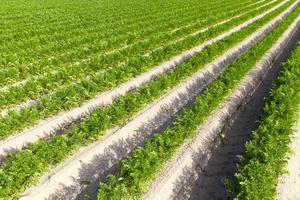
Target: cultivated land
146,99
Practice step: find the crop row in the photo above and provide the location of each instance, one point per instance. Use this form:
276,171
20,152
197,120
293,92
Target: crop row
23,168
131,29
74,95
53,15
31,64
265,158
127,11
37,86
96,159
43,129
138,170
13,74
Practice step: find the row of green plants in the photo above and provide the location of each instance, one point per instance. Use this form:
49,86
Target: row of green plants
115,17
83,48
24,168
138,170
75,94
94,35
89,12
266,153
36,87
13,73
90,38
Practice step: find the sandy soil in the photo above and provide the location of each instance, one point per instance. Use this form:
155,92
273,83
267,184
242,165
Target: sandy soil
289,184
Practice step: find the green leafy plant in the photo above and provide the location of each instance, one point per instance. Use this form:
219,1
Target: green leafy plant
266,153
23,169
138,170
75,94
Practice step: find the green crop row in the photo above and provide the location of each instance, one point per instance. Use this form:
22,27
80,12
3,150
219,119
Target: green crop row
45,84
91,16
23,169
75,94
90,47
137,170
39,46
265,156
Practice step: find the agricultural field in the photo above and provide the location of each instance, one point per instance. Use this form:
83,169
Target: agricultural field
149,99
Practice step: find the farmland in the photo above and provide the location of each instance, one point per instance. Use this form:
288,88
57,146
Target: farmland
132,99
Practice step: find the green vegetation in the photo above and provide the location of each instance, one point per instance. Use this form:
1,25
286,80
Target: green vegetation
76,92
266,153
63,53
87,42
24,168
144,165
